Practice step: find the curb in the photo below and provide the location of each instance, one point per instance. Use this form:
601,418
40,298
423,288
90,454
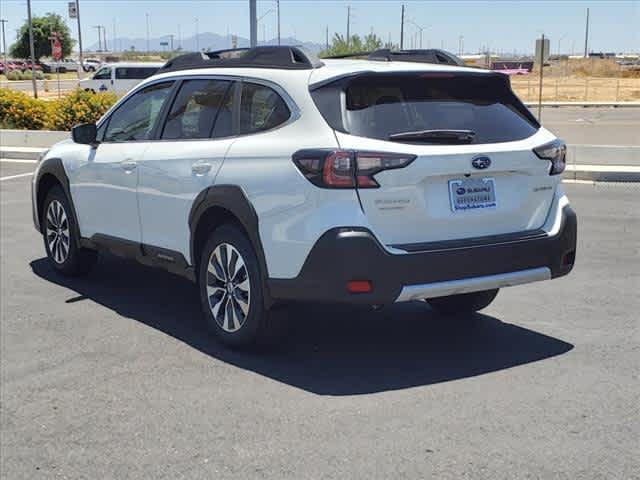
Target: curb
21,153
602,173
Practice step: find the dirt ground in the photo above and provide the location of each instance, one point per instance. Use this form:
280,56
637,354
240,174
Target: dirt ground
575,88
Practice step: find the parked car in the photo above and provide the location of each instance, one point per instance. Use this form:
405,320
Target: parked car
63,66
119,77
266,175
11,66
91,64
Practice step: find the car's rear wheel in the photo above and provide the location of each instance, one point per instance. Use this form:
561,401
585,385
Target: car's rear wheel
230,285
463,303
63,252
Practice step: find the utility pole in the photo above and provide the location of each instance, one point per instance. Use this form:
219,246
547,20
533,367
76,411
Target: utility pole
253,23
197,37
179,37
586,37
348,24
32,51
98,27
171,39
104,35
278,9
540,88
114,34
79,36
4,42
460,45
327,37
147,19
402,29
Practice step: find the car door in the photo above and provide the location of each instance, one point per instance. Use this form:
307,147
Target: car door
104,184
101,80
191,147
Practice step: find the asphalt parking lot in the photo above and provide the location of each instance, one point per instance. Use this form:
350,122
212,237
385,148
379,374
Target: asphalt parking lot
114,376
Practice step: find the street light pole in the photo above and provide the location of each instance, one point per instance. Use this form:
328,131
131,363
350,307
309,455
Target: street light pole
197,37
402,29
147,18
98,27
32,51
278,8
253,23
4,42
348,24
586,37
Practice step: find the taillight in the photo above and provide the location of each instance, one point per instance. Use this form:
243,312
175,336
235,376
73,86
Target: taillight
347,168
556,153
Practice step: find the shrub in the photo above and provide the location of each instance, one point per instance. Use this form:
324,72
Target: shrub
79,107
19,110
26,75
14,75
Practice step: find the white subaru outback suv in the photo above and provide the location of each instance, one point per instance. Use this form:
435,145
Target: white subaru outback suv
266,175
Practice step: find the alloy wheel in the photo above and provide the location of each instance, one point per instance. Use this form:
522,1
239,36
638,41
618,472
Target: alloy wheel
57,228
228,287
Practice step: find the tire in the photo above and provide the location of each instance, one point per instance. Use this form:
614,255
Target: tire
463,303
63,252
62,70
233,303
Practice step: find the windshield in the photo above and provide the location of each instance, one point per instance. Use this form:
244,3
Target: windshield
382,106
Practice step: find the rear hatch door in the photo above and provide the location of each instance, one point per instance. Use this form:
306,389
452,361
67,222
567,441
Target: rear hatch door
475,173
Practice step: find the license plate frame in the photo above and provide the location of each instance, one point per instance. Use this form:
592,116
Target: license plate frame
478,194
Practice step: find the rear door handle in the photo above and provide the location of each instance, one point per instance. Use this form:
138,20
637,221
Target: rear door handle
128,165
201,168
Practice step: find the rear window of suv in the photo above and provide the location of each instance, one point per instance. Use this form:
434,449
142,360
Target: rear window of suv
381,105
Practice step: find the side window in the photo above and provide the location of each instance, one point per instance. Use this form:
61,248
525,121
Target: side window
195,109
134,73
261,108
103,74
135,118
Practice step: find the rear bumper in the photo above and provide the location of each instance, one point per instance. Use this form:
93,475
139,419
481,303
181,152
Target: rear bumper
345,254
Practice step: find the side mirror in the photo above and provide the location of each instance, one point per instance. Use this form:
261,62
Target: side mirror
85,133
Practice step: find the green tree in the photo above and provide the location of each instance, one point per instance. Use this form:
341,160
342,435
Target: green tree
339,45
42,28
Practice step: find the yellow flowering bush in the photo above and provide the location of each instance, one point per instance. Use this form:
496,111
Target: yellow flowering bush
19,110
79,106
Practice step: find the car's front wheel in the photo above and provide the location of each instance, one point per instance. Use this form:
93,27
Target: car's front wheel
463,303
231,290
65,255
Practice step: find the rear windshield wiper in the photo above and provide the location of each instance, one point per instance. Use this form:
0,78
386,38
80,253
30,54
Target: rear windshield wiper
435,136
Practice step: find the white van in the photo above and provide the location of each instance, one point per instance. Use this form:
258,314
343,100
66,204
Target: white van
119,77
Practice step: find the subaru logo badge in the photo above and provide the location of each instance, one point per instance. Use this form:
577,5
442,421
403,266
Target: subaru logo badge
481,162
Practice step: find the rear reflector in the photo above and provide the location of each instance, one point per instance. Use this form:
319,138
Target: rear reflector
359,286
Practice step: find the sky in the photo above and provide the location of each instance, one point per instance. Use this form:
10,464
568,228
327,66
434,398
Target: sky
501,26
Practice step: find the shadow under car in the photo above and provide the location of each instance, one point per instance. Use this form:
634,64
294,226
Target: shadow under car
327,349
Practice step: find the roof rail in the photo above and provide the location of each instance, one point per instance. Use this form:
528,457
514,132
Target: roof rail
432,55
284,57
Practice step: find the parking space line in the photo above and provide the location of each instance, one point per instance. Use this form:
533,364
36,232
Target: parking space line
16,160
15,176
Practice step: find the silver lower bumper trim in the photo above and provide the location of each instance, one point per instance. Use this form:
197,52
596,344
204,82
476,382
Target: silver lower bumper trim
453,287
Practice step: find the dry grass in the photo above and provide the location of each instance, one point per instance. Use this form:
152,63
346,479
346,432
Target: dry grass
577,89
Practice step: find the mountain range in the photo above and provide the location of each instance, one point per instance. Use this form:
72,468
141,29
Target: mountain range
207,41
